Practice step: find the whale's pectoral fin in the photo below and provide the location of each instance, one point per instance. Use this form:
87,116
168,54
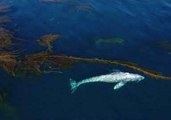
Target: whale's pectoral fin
119,85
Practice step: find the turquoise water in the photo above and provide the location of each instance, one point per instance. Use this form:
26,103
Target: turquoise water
141,24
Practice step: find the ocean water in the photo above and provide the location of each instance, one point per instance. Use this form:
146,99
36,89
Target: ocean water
140,23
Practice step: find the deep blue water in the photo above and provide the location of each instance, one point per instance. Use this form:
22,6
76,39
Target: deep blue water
139,22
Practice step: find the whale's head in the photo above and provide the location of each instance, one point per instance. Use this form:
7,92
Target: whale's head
134,77
137,77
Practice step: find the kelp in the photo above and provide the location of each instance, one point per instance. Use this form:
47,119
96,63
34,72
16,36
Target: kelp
62,61
47,41
36,63
8,61
5,35
27,70
31,64
7,57
5,38
114,41
115,62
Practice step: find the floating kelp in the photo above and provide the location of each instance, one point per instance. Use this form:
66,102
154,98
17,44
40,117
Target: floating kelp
7,56
5,35
27,70
8,61
62,61
103,61
31,64
36,58
110,41
34,64
37,62
165,44
47,40
5,38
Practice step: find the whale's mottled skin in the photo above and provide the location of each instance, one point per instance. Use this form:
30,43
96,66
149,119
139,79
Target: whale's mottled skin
121,78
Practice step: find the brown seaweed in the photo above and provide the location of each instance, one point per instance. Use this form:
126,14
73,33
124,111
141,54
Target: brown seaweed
8,61
5,38
33,63
47,40
115,62
37,62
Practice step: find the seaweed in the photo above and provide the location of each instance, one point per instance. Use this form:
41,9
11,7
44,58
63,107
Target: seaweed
114,41
37,63
47,40
115,62
5,38
8,61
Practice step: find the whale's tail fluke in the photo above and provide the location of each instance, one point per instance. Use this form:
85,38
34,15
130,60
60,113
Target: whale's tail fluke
73,85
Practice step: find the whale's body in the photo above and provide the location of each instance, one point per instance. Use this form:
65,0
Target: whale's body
121,78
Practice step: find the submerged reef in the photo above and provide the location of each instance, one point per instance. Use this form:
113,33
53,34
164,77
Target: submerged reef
110,41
